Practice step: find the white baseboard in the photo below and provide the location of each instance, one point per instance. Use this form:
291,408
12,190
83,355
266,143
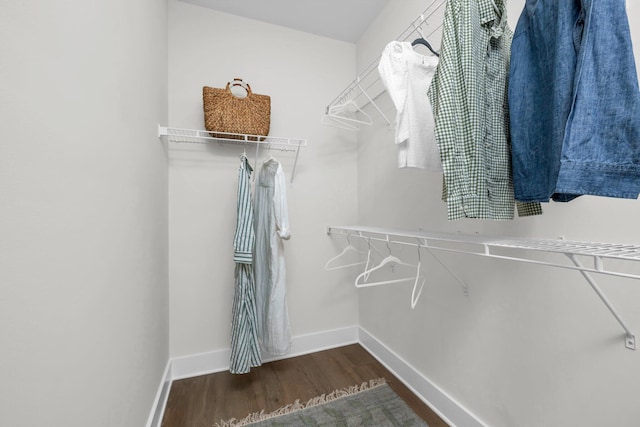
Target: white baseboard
451,411
218,361
160,402
444,405
200,364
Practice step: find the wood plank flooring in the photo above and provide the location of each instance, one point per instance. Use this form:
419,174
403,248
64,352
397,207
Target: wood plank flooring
205,400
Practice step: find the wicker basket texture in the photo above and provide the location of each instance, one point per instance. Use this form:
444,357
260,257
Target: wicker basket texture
226,112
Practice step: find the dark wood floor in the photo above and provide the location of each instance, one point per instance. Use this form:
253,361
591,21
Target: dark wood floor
205,400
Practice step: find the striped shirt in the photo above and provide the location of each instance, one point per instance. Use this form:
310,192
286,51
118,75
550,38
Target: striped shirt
245,348
244,238
469,100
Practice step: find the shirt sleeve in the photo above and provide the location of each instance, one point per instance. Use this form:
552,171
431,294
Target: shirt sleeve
244,237
280,204
393,70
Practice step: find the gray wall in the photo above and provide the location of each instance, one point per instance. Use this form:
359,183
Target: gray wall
83,222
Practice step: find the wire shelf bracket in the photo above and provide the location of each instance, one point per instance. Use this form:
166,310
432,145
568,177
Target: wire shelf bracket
487,246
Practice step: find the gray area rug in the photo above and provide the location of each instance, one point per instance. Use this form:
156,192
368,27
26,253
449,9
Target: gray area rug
369,404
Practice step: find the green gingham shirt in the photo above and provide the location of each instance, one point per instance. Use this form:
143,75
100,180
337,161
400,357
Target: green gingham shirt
469,99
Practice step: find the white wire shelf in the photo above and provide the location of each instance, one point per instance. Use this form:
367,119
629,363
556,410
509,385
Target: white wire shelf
194,136
368,81
484,245
605,250
487,246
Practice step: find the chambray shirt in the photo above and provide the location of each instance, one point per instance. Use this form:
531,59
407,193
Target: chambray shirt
574,102
469,99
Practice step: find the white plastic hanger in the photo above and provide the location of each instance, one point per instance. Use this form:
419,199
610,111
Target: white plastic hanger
419,277
348,249
339,123
344,116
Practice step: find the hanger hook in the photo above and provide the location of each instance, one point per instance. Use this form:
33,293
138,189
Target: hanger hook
349,238
418,27
418,246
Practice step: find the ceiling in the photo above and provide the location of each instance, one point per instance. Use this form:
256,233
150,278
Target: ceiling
344,20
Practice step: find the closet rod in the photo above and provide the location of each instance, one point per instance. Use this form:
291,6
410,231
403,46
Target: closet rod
411,28
483,247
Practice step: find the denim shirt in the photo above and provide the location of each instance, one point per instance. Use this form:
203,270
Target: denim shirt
574,102
469,99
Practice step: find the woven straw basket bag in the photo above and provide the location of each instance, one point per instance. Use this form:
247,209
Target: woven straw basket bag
226,112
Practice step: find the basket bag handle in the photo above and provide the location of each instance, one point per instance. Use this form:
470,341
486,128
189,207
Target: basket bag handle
239,82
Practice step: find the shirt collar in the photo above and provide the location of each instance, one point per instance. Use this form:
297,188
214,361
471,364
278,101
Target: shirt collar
488,15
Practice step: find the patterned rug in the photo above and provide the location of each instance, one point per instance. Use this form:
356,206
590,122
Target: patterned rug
369,404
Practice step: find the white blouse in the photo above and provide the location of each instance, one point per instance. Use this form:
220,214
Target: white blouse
407,75
271,228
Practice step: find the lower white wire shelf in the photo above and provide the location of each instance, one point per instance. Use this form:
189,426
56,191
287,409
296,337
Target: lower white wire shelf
487,246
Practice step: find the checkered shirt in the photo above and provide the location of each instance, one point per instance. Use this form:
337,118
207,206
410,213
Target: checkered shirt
469,99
